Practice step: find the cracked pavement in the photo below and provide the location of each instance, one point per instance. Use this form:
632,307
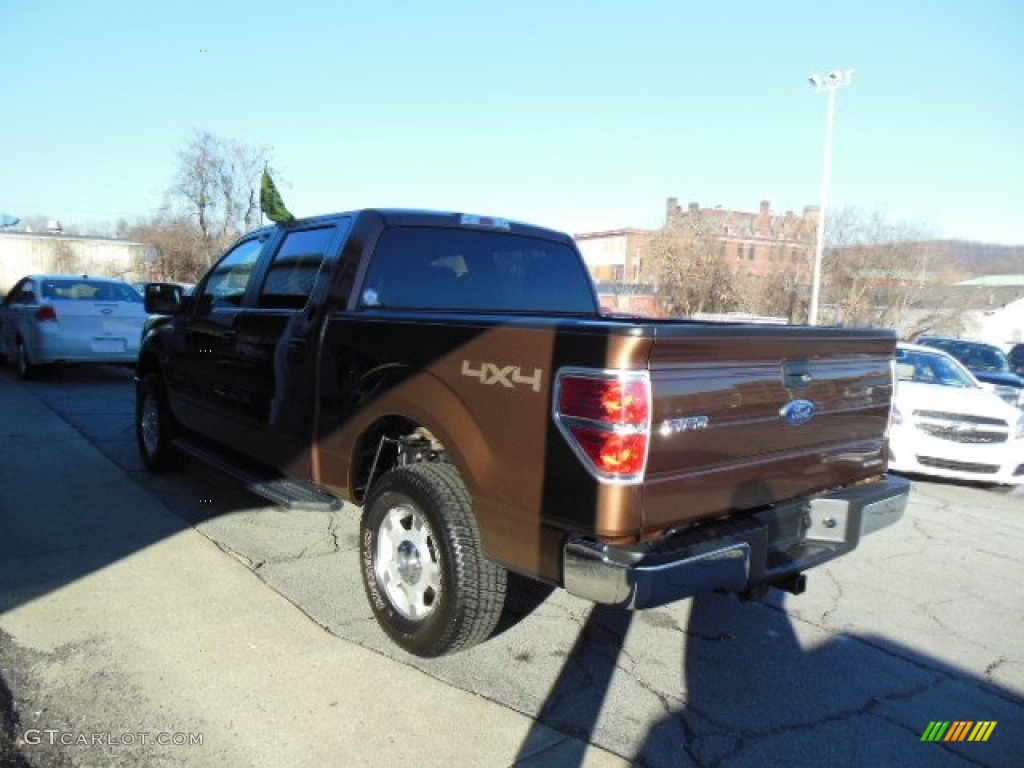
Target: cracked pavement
922,622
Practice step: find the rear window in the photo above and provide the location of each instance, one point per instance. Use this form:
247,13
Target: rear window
89,290
443,268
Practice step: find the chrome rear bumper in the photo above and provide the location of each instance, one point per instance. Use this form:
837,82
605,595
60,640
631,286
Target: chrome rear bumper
733,554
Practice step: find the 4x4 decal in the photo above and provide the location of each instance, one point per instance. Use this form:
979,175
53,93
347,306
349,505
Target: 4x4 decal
506,375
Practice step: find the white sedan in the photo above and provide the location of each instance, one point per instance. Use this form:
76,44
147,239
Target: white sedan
70,319
945,424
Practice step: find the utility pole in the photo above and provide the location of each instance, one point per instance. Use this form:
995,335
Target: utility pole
829,84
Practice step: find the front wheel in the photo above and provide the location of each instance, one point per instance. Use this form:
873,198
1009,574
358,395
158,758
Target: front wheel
430,586
153,424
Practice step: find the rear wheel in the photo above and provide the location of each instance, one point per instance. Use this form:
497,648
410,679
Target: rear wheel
430,586
154,425
22,363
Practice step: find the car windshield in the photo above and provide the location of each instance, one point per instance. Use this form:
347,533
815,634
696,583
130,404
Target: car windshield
977,357
89,290
928,368
983,358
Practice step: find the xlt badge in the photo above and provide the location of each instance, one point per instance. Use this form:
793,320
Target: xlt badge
683,424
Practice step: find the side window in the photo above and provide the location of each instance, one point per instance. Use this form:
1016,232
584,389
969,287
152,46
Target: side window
294,269
228,280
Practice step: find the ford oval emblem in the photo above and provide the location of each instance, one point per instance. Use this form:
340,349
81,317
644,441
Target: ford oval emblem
798,412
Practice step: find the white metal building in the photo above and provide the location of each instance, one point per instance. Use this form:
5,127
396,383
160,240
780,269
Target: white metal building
25,253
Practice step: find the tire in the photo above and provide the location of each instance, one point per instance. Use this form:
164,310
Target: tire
1004,489
154,425
22,364
429,584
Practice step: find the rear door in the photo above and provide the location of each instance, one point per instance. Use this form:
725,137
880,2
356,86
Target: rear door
275,347
17,312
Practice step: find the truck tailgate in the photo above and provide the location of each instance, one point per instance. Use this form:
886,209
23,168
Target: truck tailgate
748,416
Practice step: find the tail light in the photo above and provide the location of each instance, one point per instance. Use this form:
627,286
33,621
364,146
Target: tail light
606,418
46,313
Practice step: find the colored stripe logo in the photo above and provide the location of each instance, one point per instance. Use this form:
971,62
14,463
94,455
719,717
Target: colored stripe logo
958,730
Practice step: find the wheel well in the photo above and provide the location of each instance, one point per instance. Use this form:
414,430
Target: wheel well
147,364
391,442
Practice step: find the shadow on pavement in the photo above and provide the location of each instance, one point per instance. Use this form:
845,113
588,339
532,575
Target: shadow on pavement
578,694
66,511
759,688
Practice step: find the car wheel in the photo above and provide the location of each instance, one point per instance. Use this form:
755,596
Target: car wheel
154,425
22,364
430,586
1005,489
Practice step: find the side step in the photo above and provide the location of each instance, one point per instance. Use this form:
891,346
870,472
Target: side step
288,492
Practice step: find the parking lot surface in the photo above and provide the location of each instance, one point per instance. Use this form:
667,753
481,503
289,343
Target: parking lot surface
182,604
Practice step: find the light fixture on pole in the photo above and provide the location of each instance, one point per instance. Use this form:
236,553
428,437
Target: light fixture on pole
828,84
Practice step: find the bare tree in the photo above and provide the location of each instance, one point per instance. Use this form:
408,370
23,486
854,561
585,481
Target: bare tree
688,270
782,292
179,243
217,185
874,272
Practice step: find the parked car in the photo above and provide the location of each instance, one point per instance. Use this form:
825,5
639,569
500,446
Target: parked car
945,424
70,319
987,362
1016,358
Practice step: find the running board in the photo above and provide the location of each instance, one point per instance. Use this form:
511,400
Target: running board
287,492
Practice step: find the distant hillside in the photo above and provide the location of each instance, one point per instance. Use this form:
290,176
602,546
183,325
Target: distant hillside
974,259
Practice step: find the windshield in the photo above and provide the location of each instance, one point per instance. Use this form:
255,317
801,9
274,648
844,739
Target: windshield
982,358
977,357
929,368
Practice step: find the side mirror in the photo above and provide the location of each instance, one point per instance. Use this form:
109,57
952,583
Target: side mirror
163,298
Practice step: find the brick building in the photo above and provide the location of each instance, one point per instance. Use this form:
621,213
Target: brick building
756,242
760,242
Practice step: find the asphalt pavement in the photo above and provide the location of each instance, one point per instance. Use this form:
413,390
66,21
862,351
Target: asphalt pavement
128,638
141,608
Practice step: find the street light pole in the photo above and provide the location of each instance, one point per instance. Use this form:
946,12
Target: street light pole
829,84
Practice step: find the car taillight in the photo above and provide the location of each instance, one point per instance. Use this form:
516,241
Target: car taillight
46,313
606,417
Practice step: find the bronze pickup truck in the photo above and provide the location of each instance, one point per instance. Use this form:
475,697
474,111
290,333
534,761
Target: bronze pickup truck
454,376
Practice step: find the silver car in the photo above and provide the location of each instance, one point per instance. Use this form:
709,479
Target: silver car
70,319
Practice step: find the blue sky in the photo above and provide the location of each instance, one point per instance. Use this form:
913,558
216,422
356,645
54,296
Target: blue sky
577,115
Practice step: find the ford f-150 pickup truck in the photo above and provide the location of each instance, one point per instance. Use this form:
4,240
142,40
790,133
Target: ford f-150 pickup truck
455,377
